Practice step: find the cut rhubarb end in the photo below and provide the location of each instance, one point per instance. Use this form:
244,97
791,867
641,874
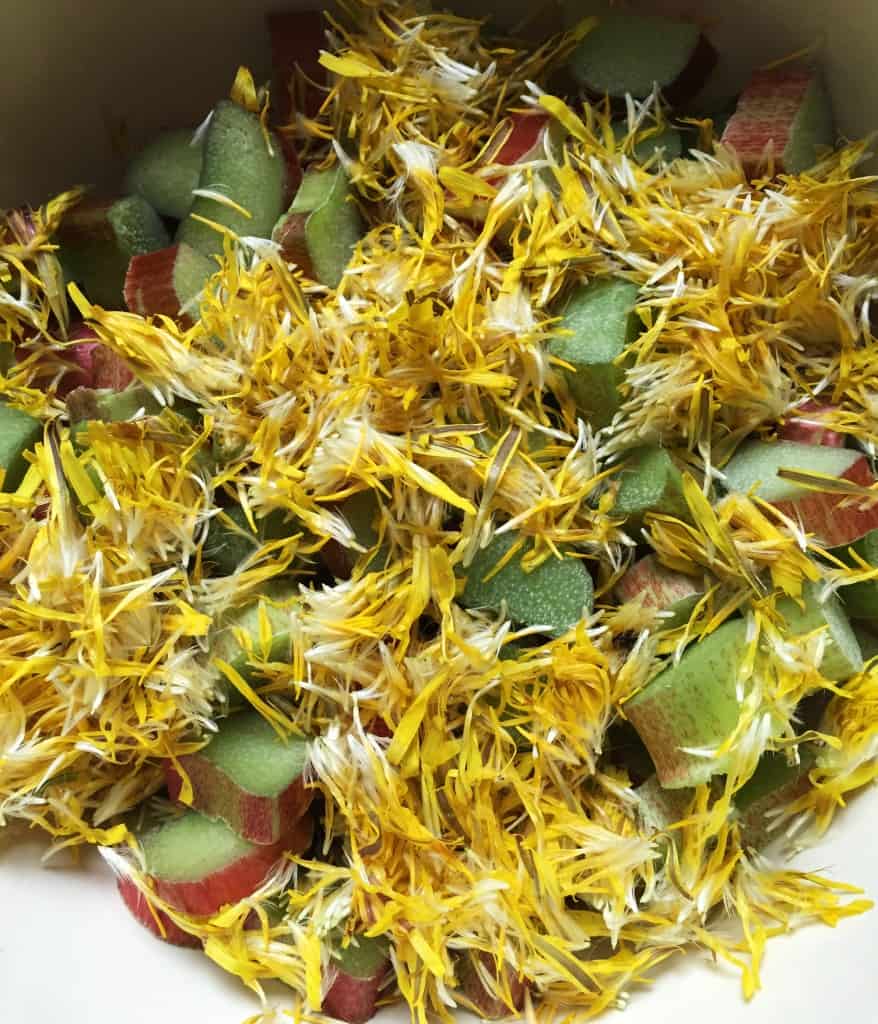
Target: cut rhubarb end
480,987
150,917
357,973
842,657
631,53
162,283
297,37
166,172
784,111
198,865
808,427
692,704
249,778
650,482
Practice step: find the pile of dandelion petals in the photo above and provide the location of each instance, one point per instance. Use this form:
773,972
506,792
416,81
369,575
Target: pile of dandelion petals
492,818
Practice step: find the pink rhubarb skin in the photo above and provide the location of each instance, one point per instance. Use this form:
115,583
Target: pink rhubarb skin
206,895
766,114
258,819
655,585
353,999
822,514
139,906
807,427
149,284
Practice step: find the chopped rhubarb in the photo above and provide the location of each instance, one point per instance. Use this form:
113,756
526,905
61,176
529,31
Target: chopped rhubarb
155,920
482,991
165,282
166,172
657,586
355,977
19,433
785,113
809,427
198,865
248,777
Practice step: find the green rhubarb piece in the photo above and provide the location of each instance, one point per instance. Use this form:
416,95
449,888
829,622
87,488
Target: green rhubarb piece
238,165
230,539
324,211
224,645
362,957
659,808
629,53
96,243
19,433
166,171
556,595
650,482
248,750
601,317
861,599
842,657
191,847
774,784
666,144
868,641
110,406
755,466
692,704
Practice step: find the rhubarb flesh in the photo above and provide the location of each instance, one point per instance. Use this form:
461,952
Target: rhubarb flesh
198,865
556,595
601,320
842,657
692,704
166,172
19,433
321,227
784,111
98,239
631,53
248,777
239,166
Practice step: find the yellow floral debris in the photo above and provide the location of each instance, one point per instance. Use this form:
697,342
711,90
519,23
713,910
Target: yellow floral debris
495,819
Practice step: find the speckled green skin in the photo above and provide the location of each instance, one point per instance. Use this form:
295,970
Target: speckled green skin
692,704
556,595
96,243
861,599
19,432
166,171
601,316
842,658
630,52
238,163
650,482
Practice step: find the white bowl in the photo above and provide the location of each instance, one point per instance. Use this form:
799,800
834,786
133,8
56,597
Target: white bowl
68,949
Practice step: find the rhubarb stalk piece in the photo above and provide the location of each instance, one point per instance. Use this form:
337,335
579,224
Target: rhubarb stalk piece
809,427
150,916
692,704
834,518
198,865
650,482
601,322
96,366
861,599
19,433
632,53
842,657
355,978
166,171
97,240
321,227
248,777
657,586
556,595
238,166
480,989
774,785
360,511
230,539
666,145
166,282
784,112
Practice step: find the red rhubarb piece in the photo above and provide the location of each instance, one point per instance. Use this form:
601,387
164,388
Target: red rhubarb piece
161,283
809,427
474,977
139,906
